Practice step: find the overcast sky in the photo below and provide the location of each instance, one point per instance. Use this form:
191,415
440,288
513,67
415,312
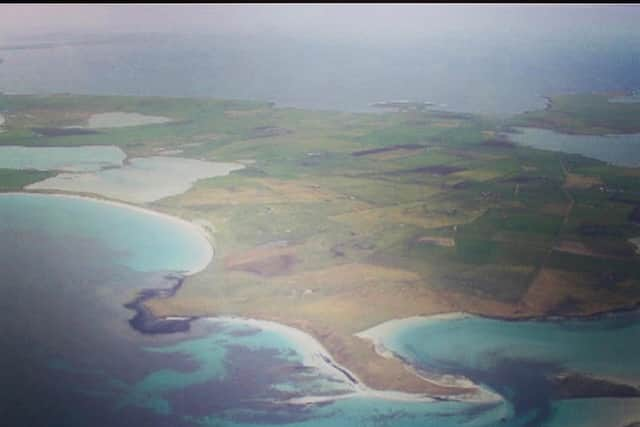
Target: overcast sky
337,20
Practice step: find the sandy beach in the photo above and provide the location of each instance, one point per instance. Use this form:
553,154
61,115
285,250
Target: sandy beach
315,355
312,352
377,336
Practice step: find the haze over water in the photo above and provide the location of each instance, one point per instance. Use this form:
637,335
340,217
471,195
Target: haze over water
492,60
99,370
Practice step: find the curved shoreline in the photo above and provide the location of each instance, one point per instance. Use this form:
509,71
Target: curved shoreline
190,226
146,322
390,327
313,352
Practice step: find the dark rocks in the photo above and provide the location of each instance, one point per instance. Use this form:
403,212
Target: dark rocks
146,322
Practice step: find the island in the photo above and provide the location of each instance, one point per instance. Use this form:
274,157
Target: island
333,222
403,105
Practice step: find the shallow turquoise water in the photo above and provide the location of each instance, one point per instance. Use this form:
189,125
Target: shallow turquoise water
70,159
138,239
69,265
514,357
607,346
595,412
621,150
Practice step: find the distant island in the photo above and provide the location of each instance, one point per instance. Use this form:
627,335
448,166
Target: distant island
403,105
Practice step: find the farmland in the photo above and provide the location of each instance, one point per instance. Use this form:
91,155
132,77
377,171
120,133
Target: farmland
341,221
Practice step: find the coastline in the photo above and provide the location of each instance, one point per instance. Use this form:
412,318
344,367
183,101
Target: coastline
312,351
322,350
192,227
314,354
146,322
376,336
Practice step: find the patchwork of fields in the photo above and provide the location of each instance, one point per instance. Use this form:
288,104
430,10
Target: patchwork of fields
340,221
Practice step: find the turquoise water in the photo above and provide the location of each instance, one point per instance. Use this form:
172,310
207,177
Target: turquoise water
513,358
595,412
69,264
582,345
621,150
139,240
70,159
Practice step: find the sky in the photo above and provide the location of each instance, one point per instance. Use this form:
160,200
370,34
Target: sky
358,21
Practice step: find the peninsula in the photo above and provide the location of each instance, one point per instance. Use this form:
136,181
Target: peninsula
337,222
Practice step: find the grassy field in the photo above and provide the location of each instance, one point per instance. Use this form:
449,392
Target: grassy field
341,221
366,189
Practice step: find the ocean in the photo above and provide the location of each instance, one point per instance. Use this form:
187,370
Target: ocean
71,264
461,72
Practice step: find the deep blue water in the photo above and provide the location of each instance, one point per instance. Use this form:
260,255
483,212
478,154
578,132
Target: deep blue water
70,357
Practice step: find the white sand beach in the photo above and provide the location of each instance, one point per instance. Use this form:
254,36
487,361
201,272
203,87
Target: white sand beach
316,356
377,335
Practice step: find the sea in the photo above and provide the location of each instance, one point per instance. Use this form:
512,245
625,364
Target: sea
70,265
70,356
494,75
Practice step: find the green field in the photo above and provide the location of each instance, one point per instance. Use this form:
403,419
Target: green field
353,195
